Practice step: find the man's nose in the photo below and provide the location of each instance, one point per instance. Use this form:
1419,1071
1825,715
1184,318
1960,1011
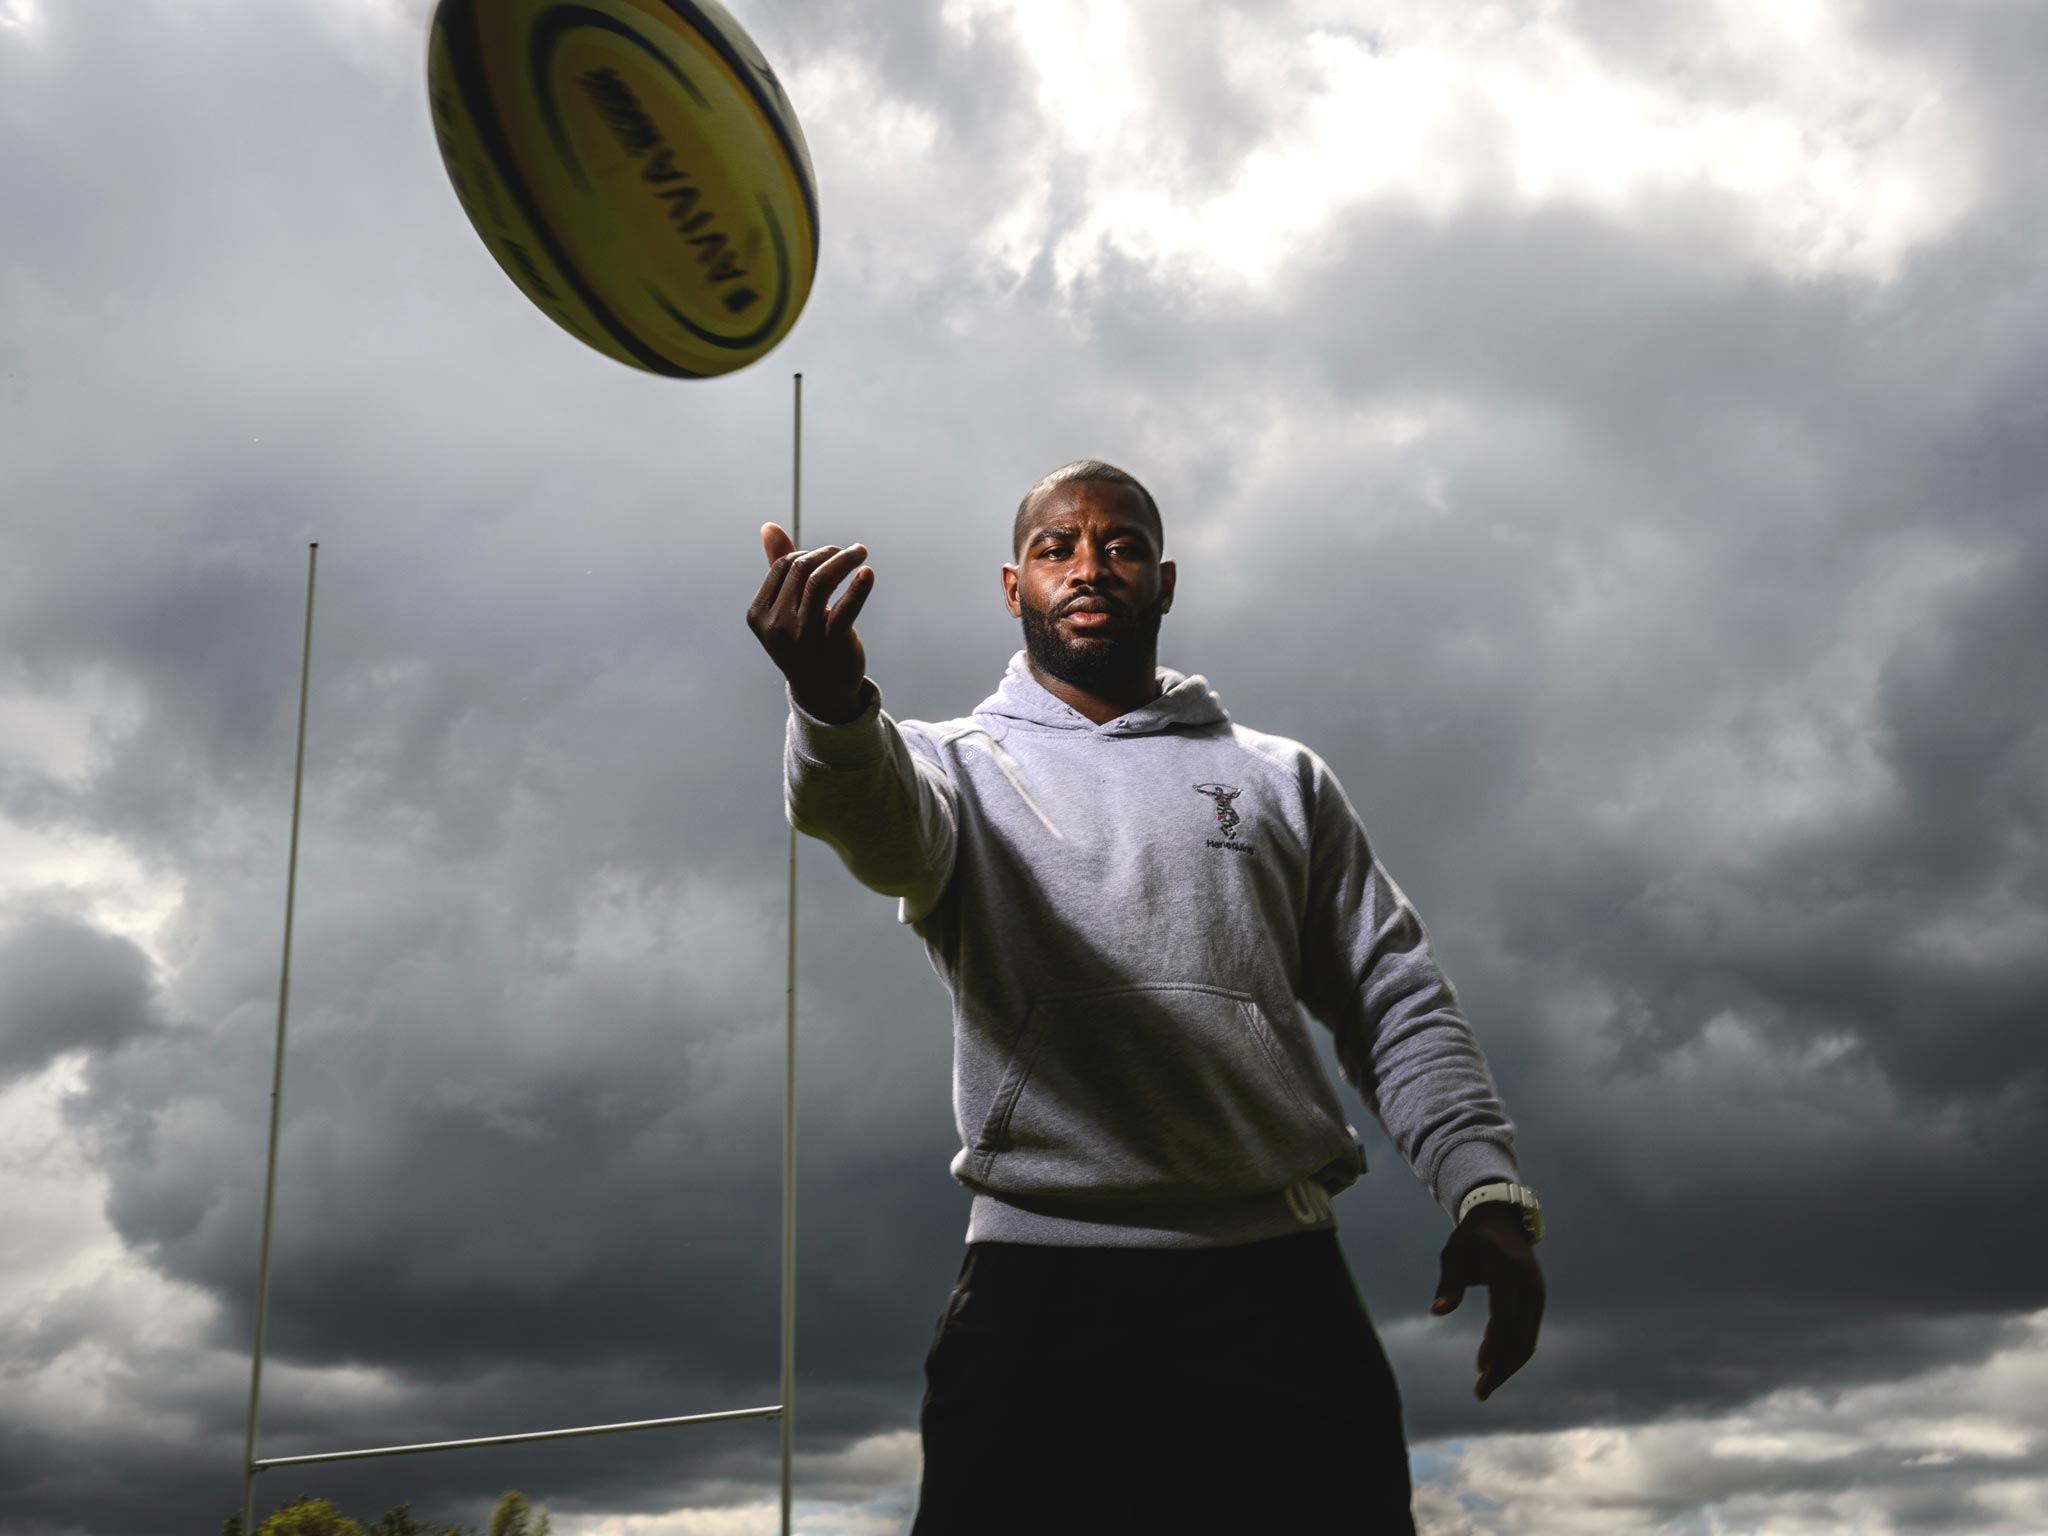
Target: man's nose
1088,569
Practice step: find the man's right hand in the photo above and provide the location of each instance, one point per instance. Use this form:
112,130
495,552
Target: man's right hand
815,646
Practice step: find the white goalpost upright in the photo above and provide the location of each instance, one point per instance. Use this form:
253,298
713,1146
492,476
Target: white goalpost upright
783,1410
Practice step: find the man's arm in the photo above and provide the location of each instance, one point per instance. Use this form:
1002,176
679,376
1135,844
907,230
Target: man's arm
1367,971
851,779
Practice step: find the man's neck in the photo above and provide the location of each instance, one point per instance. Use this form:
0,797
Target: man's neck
1109,699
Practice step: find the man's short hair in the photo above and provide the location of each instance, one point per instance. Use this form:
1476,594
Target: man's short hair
1083,469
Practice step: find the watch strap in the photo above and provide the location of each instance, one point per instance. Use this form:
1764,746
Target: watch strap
1520,1196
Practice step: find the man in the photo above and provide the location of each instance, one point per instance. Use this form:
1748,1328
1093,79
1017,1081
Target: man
1127,895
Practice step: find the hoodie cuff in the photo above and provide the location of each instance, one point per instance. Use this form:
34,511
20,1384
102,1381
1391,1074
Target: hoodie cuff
856,741
1467,1166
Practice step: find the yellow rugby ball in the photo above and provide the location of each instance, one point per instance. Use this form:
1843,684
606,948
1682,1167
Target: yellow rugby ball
635,168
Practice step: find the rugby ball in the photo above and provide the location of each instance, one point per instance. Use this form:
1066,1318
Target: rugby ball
635,168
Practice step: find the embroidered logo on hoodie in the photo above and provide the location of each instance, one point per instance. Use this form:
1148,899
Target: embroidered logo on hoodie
1227,820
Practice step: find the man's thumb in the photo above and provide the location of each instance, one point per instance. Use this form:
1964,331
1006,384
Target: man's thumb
1450,1286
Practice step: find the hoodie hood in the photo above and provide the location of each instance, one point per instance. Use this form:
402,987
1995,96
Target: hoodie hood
1183,701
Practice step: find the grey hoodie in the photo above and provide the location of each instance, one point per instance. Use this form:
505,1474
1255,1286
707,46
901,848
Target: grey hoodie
1127,916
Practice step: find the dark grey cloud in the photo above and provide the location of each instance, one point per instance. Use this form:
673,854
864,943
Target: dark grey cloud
65,986
1669,618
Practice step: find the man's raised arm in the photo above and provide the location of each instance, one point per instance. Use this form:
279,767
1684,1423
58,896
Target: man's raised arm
851,780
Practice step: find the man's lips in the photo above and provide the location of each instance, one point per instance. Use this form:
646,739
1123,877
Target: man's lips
1084,614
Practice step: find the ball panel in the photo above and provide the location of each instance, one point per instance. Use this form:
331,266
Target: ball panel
713,22
672,211
486,176
648,157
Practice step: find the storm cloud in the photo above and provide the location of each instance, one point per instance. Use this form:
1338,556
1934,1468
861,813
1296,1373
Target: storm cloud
1612,437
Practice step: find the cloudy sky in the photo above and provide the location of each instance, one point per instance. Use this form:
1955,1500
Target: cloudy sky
1614,436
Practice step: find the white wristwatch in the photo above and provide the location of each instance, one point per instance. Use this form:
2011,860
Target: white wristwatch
1520,1196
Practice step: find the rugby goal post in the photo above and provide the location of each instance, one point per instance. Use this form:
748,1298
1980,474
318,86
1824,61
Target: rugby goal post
784,1410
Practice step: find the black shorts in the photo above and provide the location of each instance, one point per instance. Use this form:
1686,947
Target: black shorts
1197,1392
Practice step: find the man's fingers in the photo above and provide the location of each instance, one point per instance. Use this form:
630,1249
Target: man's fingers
825,576
1453,1275
1497,1360
790,614
1510,1340
841,618
794,598
771,588
780,601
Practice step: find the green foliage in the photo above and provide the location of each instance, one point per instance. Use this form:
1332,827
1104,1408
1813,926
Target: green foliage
306,1516
516,1516
400,1522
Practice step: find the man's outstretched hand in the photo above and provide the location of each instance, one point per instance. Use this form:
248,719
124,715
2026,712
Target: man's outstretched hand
1490,1248
814,645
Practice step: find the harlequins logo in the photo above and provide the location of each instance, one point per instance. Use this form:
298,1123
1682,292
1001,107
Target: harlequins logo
1227,819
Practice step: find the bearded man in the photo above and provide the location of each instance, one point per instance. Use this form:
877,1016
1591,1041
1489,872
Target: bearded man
1132,899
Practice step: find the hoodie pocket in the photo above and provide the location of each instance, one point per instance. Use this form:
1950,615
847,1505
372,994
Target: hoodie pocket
1152,1090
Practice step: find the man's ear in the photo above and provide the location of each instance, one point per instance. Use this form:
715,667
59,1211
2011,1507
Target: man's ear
1168,571
1010,591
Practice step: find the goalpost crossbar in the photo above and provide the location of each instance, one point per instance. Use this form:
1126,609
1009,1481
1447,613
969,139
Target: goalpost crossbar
773,1411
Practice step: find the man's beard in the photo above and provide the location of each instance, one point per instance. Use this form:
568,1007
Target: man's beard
1086,661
